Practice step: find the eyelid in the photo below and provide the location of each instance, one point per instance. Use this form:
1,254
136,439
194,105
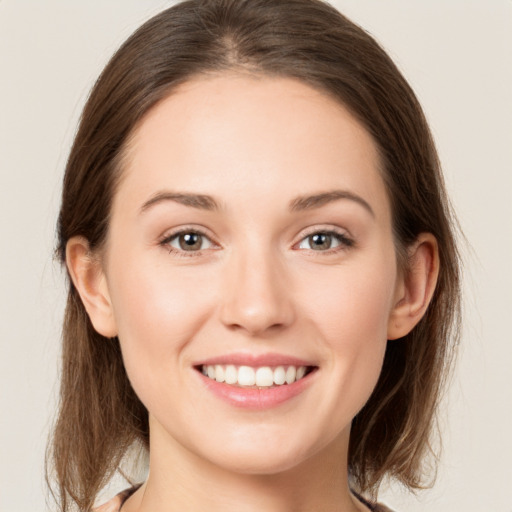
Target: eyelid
346,241
170,235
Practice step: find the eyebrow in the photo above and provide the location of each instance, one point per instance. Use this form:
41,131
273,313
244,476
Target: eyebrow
318,200
200,201
301,203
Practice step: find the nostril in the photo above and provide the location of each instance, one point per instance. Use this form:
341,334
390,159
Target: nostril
255,302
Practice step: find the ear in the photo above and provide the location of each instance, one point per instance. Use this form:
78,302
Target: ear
415,287
89,279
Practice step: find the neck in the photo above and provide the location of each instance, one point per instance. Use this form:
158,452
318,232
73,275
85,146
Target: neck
179,480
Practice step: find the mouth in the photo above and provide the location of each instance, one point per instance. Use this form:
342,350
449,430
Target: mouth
256,381
260,377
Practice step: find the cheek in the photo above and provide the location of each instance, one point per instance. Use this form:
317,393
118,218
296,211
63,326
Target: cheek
351,306
157,311
156,298
351,314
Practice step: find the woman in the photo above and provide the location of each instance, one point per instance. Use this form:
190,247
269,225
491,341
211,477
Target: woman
263,274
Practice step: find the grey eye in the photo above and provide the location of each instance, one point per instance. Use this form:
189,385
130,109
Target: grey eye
321,241
190,241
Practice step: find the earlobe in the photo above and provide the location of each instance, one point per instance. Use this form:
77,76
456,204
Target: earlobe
416,287
89,279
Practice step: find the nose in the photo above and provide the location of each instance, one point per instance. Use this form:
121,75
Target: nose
257,297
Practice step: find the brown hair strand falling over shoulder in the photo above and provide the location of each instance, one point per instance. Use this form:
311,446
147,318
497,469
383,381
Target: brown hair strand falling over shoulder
310,41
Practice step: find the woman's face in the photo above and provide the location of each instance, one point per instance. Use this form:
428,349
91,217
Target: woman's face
251,238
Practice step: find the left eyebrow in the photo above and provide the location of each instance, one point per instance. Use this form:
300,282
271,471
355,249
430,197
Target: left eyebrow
200,201
310,202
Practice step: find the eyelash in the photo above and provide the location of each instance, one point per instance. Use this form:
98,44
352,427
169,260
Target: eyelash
344,241
165,242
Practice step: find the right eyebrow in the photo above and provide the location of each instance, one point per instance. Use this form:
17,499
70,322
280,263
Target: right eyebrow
302,203
200,201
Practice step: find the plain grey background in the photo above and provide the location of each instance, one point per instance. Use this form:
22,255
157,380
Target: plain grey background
457,55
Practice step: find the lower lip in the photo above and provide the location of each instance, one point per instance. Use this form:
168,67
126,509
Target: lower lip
256,398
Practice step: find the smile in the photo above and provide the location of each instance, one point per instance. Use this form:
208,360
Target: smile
259,377
256,382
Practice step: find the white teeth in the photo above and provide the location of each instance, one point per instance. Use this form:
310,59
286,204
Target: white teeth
263,376
219,373
291,374
280,375
246,376
231,374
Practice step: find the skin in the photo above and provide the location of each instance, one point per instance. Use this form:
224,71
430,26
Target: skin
257,285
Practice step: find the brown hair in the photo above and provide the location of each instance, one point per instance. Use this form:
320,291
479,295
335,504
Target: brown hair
100,416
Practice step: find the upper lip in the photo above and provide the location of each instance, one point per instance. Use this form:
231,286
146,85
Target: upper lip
269,359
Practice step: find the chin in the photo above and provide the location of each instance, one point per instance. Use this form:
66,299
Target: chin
266,455
262,464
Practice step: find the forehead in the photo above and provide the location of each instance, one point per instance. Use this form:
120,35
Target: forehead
232,135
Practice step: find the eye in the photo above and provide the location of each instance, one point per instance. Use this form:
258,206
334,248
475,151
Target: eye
325,241
187,241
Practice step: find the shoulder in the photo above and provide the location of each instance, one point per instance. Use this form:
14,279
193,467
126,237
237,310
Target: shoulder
374,507
378,507
115,504
112,505
381,508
